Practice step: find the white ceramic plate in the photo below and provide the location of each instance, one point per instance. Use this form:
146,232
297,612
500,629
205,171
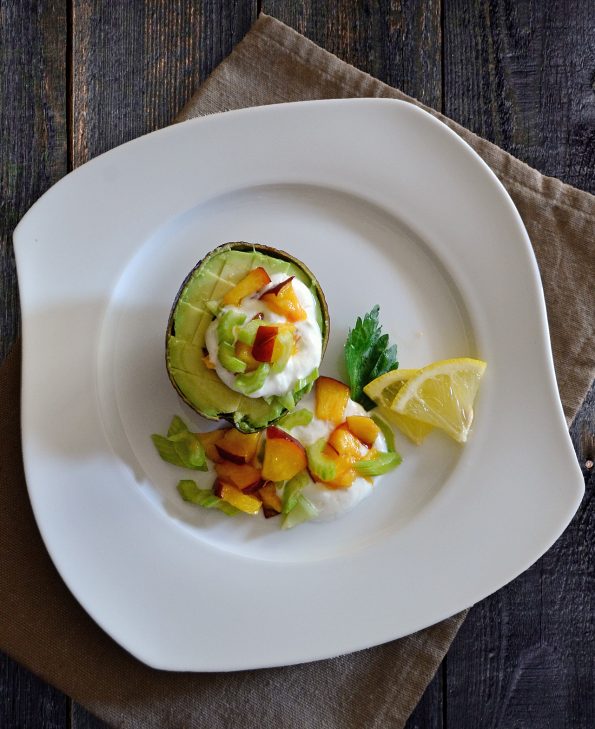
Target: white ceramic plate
387,206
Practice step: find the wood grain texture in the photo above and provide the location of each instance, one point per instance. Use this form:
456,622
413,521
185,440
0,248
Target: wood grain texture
32,128
518,73
135,64
26,702
33,157
398,41
522,74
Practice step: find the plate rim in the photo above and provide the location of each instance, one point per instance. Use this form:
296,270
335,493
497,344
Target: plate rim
21,241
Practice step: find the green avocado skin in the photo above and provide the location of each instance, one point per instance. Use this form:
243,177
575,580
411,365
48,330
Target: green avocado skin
190,317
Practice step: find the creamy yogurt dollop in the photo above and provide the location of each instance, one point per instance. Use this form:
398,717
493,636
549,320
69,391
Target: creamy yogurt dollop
332,503
309,346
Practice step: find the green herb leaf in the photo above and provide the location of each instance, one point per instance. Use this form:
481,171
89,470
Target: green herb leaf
368,355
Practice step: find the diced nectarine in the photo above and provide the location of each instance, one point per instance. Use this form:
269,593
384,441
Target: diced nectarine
284,456
345,474
252,282
343,480
264,343
331,399
238,447
270,499
346,444
209,442
231,494
364,428
282,300
244,353
244,476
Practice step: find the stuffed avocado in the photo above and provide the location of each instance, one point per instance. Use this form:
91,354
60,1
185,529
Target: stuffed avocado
246,335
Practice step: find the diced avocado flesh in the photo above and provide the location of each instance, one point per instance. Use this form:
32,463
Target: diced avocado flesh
199,385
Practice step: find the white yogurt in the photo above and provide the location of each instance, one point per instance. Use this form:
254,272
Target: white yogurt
309,343
332,503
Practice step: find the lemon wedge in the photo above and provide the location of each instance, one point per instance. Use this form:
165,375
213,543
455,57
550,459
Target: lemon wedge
442,395
383,390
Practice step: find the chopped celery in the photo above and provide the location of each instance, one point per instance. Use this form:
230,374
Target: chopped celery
297,417
319,464
387,432
247,333
306,381
291,490
190,492
383,463
227,322
286,401
252,381
182,449
176,426
285,342
227,357
301,512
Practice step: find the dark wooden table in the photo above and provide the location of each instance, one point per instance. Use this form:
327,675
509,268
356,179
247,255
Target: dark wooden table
78,77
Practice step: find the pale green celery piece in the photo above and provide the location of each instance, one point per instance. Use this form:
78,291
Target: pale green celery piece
212,307
308,380
252,381
319,464
176,426
387,432
226,324
227,357
301,512
247,333
286,401
285,342
297,417
190,492
182,449
292,489
383,463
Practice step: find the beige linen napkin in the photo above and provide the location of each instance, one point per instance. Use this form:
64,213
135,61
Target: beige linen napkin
43,627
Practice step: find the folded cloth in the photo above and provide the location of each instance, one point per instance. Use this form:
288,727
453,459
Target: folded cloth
41,624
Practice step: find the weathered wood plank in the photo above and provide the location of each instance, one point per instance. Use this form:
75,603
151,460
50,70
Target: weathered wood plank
398,41
517,73
521,75
33,134
80,718
32,128
26,702
136,64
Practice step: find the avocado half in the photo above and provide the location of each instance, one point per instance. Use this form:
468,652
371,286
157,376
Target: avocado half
211,278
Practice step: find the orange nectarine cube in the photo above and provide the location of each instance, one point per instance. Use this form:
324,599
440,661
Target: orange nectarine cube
243,475
270,498
282,300
209,442
346,444
238,447
244,353
231,494
331,399
364,428
252,282
284,456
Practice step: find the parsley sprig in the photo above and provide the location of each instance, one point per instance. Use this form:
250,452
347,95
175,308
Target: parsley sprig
368,355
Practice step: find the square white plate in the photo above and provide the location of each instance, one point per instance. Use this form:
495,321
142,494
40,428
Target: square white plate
387,206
